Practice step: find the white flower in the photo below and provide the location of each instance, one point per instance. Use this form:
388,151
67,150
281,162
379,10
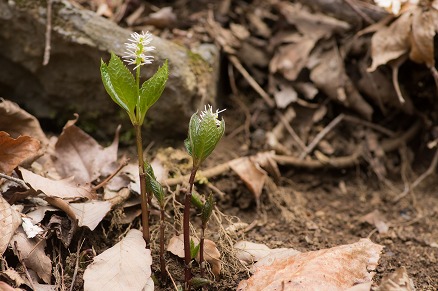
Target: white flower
209,111
136,49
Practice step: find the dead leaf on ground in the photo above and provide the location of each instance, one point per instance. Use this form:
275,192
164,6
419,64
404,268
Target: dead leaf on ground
12,276
17,121
14,152
91,213
78,154
337,268
251,174
249,252
6,287
33,255
10,220
211,252
125,266
397,281
64,228
330,77
65,189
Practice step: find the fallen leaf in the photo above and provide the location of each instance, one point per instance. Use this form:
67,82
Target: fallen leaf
211,253
78,154
38,214
17,121
65,189
33,255
377,219
30,228
10,220
290,59
397,281
249,252
12,276
64,228
13,152
6,287
90,213
337,268
251,174
125,266
165,17
421,36
330,77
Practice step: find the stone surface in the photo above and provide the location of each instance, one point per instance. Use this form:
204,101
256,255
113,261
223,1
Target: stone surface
71,81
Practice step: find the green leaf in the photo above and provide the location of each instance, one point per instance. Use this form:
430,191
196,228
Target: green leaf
194,250
207,209
204,135
120,84
151,91
188,146
198,282
196,201
152,185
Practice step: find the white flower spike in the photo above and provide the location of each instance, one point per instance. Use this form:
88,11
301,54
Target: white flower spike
209,110
136,49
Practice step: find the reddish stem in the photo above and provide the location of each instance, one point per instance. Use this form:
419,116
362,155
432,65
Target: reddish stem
186,231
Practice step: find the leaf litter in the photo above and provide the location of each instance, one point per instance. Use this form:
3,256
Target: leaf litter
307,60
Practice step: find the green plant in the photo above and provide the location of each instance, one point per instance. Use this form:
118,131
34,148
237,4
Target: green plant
205,131
125,90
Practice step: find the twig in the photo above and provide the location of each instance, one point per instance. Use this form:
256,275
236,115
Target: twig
291,131
24,265
365,17
75,272
16,180
321,135
123,164
253,83
420,179
48,33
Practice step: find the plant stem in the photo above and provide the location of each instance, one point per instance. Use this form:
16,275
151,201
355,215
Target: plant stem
162,262
186,231
201,249
142,176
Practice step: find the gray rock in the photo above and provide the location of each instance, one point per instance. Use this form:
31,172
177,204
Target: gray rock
71,80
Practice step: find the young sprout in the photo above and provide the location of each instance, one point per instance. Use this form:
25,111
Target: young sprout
205,131
125,90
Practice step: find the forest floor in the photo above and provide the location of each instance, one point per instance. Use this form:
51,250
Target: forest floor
361,178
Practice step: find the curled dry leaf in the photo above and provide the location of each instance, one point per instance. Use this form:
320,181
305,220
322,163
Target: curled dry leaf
17,121
32,253
90,213
337,268
10,220
251,174
125,266
65,189
377,219
13,152
211,253
31,229
78,154
397,281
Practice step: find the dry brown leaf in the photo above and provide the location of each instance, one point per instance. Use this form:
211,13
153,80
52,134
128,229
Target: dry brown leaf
90,213
18,122
6,287
337,268
211,253
249,252
65,189
390,43
421,37
78,154
12,276
290,59
38,214
63,205
165,17
377,219
33,255
64,228
397,281
251,174
329,76
10,220
13,152
125,266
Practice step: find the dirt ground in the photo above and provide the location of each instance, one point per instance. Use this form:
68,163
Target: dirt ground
307,207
